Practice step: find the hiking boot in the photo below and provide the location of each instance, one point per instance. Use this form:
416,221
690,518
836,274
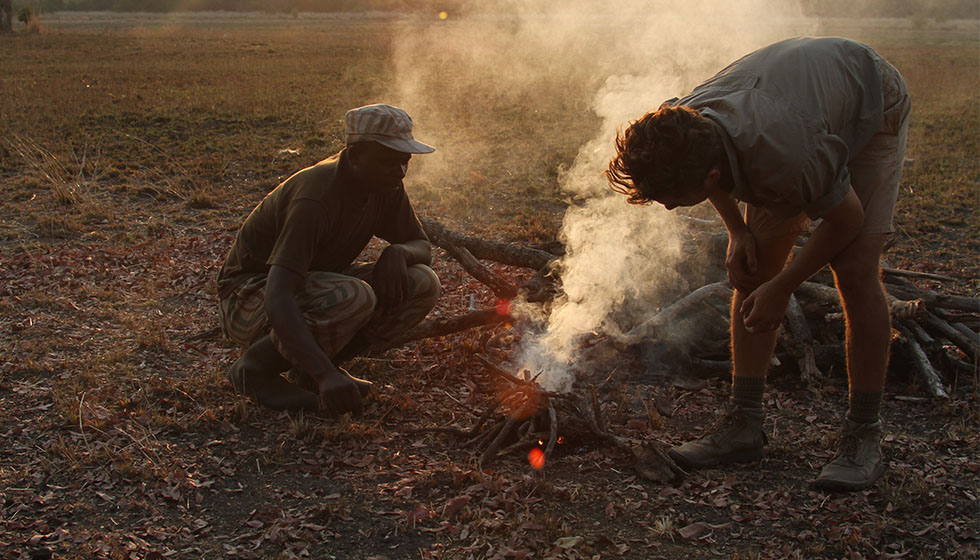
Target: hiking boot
858,464
736,438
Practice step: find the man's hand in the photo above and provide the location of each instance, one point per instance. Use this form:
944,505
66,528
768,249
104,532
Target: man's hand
390,278
763,310
742,262
339,393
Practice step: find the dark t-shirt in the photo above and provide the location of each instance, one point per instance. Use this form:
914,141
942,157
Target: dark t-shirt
319,219
793,114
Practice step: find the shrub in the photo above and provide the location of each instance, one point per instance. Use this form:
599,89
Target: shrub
25,15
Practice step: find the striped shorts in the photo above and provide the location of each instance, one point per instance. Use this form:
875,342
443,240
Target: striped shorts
335,306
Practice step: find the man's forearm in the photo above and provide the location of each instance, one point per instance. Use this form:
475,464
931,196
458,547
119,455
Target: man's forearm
838,229
728,210
294,334
417,251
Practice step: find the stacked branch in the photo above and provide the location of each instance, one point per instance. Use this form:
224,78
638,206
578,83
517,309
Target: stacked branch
525,416
467,250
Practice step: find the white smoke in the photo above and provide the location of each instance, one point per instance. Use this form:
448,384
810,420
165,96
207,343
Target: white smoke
546,58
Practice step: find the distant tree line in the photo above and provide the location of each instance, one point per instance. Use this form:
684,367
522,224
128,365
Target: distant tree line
243,5
937,9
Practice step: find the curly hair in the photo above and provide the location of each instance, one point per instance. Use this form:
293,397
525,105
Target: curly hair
666,151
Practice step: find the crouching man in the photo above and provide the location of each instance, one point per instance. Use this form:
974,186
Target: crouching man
289,291
802,129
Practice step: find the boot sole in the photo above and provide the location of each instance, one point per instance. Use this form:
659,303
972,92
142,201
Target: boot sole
748,456
848,486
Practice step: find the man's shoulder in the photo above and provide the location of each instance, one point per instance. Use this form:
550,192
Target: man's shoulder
323,171
314,182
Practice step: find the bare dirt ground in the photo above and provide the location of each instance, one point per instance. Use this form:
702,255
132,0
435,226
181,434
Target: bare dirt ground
127,161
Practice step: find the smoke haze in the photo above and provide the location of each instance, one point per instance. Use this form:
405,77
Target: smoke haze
466,79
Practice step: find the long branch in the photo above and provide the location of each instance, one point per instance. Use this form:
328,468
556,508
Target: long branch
503,253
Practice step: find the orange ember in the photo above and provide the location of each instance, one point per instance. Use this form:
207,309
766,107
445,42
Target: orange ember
503,306
536,458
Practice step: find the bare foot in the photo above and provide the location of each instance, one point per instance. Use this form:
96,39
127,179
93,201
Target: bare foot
271,389
305,381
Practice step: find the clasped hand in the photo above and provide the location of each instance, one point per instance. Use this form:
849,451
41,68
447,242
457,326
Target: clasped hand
390,279
763,309
339,394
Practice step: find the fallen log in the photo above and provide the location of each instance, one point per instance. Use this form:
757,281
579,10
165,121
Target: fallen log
798,340
941,328
921,364
503,253
897,272
441,327
934,299
683,308
500,287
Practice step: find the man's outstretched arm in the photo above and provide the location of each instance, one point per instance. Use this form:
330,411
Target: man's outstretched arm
338,392
741,260
763,310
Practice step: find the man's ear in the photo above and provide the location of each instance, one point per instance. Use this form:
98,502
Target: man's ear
354,153
713,177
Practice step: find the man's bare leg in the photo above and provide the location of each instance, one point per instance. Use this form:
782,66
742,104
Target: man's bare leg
739,437
859,463
858,277
752,352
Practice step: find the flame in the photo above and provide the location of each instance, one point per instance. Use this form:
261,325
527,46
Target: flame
536,458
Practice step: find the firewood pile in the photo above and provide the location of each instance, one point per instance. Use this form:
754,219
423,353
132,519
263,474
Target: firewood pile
935,333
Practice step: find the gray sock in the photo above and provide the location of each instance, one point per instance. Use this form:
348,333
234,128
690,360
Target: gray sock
865,407
747,392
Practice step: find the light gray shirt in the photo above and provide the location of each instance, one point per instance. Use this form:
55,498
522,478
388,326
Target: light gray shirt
792,115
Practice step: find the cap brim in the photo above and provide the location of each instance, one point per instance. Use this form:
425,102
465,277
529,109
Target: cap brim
406,146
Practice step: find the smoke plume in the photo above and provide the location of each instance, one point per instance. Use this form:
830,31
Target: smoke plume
564,76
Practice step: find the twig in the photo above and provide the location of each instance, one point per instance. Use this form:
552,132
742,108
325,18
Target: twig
596,412
552,430
915,274
383,416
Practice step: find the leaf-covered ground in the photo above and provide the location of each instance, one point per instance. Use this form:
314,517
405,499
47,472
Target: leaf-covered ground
122,191
123,440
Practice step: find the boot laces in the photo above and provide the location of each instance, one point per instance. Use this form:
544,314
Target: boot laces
724,426
851,441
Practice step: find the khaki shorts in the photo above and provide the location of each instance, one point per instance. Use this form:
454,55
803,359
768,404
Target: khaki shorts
876,172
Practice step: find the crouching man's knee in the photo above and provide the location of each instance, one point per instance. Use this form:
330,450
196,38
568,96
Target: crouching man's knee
425,286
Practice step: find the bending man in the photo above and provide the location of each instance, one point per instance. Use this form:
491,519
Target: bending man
803,129
288,291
